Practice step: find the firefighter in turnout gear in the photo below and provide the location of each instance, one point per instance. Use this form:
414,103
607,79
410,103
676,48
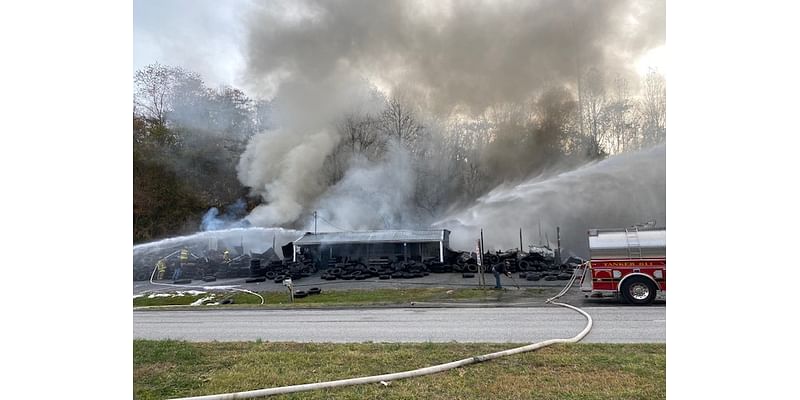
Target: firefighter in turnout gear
161,265
183,258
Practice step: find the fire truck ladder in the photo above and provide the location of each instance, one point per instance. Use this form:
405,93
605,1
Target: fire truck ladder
634,247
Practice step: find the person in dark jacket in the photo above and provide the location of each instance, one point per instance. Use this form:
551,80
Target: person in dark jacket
497,269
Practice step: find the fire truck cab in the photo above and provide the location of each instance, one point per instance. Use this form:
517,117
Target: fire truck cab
629,263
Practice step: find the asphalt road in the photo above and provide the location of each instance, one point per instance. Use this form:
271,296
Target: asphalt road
626,324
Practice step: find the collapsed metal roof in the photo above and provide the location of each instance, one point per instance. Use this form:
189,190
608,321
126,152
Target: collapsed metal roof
386,236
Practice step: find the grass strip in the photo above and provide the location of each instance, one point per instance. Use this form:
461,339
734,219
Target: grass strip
165,369
351,297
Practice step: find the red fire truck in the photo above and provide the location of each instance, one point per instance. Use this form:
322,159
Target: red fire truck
630,263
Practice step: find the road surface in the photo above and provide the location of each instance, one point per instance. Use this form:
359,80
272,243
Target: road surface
625,324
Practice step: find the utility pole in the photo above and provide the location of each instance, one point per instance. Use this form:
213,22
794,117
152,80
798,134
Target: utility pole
482,279
558,240
315,222
540,231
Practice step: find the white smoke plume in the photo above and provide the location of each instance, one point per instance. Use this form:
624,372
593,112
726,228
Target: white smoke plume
373,195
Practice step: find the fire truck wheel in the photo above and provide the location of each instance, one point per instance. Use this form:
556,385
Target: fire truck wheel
638,290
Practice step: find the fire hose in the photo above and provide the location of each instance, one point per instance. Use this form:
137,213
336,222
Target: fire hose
417,372
201,287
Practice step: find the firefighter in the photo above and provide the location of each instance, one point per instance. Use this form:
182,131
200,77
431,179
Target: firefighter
497,269
226,256
162,268
183,258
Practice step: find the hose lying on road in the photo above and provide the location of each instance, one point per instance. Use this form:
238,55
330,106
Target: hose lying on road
202,287
414,373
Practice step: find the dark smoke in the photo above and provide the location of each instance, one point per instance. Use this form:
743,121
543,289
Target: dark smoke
449,55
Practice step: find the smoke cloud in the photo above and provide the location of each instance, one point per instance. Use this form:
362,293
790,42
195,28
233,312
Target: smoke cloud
449,55
321,59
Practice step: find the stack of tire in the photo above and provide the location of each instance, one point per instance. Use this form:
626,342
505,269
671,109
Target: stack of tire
278,271
360,271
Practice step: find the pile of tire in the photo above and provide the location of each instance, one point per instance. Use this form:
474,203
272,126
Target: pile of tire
554,274
278,271
360,271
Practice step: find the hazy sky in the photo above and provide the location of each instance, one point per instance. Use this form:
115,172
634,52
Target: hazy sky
204,36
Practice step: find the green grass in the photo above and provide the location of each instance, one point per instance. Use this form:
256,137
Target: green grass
355,297
164,369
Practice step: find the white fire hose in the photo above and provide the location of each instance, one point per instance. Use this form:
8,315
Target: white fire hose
201,287
417,372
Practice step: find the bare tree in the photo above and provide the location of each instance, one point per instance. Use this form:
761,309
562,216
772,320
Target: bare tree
595,104
398,121
153,89
653,108
359,132
622,123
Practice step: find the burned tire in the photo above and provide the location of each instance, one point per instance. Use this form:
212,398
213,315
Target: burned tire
271,275
467,275
209,278
524,265
299,294
384,277
533,277
257,279
314,290
472,268
523,275
638,290
181,281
